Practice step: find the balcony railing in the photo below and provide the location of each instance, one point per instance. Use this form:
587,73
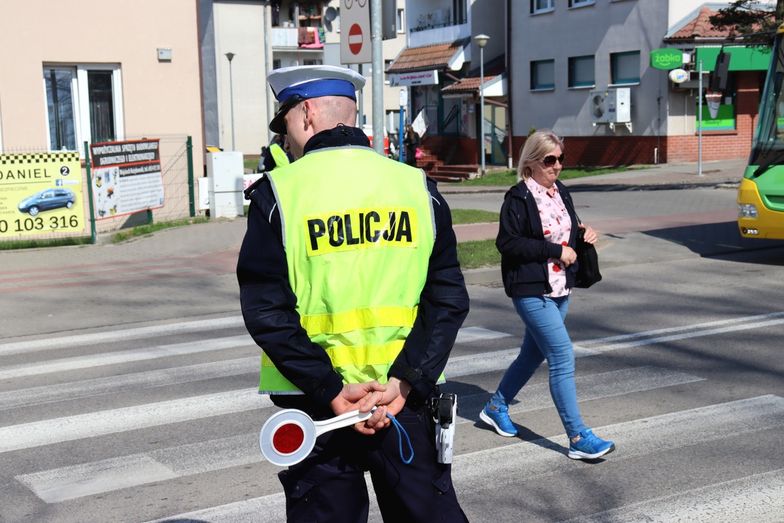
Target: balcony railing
441,34
293,37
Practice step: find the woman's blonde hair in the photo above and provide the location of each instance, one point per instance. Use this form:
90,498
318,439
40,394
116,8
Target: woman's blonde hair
535,148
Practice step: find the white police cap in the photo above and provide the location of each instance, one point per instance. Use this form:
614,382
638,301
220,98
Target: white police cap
291,85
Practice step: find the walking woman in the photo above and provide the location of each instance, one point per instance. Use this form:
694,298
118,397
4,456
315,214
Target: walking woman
536,239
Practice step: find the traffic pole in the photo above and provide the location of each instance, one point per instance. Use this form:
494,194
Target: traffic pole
377,76
699,123
401,152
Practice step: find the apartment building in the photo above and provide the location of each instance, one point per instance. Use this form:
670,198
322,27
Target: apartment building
583,68
440,67
79,72
265,35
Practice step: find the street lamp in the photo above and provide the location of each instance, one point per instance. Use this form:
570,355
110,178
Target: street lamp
481,41
230,57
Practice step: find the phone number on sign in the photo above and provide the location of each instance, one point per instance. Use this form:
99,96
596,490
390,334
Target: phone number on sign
38,224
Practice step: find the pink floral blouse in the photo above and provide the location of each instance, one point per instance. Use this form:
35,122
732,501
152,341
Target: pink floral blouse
557,226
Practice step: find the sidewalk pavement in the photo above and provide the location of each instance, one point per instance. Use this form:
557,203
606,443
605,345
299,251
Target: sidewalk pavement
725,173
668,175
221,239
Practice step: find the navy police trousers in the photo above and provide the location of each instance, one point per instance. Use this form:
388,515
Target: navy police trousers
329,485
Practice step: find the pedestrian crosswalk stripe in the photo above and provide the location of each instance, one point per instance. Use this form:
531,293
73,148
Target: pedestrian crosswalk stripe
609,384
125,382
94,478
62,484
81,340
57,430
709,325
457,366
759,497
546,456
474,334
126,356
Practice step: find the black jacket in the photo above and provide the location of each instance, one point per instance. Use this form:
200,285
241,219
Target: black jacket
524,251
269,304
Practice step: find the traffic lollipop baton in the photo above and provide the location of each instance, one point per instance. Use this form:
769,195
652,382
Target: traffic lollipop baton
288,436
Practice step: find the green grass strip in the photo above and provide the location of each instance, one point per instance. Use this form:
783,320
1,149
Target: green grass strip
477,254
42,243
507,178
463,216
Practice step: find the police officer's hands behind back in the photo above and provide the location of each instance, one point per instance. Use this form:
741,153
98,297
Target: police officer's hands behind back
363,396
394,397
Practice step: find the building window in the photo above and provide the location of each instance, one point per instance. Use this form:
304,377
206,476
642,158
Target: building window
82,104
581,71
580,3
99,84
542,6
400,23
313,61
459,12
61,107
387,65
625,68
542,75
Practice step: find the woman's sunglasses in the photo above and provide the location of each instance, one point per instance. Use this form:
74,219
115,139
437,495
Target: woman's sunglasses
550,160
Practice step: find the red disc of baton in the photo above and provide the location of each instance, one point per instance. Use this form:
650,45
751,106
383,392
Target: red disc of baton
288,438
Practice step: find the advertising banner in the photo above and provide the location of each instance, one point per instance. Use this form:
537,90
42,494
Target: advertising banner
126,177
41,193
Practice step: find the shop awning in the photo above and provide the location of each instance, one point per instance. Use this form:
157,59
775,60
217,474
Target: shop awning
751,58
494,85
437,57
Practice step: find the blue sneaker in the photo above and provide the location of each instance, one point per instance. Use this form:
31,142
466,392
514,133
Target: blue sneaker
590,446
497,416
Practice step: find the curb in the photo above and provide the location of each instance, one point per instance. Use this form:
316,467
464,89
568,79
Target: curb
483,275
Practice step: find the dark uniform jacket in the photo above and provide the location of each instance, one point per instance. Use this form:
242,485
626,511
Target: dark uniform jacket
524,251
269,304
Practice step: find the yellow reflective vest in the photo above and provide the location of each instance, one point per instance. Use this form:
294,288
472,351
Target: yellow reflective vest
279,155
358,231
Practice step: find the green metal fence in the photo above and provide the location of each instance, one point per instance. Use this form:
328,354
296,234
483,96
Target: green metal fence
48,198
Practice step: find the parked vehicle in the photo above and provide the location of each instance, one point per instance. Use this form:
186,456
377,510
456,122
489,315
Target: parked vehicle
761,192
46,200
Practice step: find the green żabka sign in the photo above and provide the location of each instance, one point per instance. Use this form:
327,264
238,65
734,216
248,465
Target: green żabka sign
666,59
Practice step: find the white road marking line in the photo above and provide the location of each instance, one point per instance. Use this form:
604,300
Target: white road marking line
70,482
135,381
759,497
69,428
639,437
126,356
79,340
62,484
472,334
592,387
687,335
695,326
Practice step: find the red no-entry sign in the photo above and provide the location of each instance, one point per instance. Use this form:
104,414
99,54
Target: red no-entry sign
355,39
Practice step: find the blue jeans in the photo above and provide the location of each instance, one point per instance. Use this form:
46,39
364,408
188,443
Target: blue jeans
545,337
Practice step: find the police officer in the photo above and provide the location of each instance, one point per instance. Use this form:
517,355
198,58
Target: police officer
349,282
274,155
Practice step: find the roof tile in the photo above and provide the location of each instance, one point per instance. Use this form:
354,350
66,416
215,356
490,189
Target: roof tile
424,58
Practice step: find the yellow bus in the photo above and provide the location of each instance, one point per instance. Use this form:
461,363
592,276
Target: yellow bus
761,191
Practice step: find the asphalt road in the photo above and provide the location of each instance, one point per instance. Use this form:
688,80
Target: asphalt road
127,380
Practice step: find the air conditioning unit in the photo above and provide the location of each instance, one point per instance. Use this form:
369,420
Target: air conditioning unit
612,105
598,107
